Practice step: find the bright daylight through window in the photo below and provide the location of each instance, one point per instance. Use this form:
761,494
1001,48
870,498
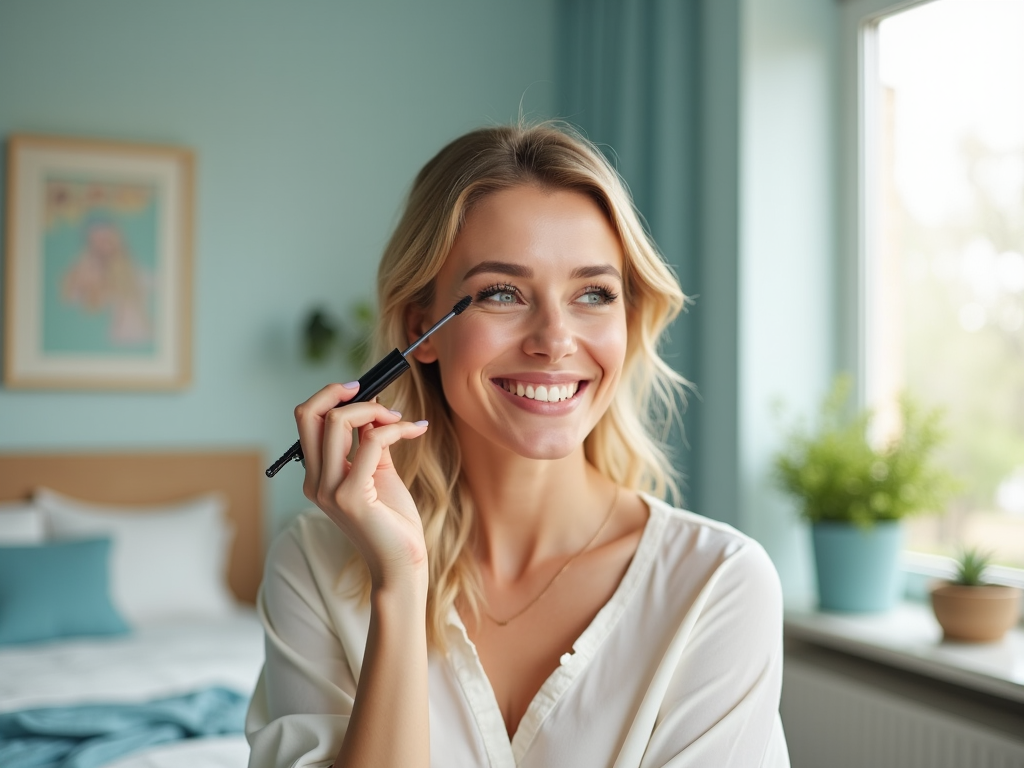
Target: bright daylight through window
944,305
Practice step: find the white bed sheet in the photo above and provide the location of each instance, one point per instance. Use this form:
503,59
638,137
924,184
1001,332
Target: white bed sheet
154,661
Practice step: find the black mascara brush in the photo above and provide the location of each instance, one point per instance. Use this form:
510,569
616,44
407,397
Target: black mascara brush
376,380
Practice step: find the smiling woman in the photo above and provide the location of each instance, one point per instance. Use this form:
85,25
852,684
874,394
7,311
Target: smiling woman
500,582
552,328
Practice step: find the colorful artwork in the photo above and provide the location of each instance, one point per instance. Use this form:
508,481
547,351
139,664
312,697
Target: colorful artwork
100,254
98,266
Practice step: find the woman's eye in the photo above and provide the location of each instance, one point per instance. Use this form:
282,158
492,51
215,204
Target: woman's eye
499,294
597,296
507,295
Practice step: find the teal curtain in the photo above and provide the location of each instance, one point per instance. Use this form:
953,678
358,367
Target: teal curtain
629,78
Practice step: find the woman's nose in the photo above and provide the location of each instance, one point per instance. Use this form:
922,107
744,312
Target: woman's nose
551,335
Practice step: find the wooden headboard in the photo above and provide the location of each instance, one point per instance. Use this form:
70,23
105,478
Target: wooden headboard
155,478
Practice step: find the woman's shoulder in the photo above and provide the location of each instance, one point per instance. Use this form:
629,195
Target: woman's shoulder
702,567
678,522
694,541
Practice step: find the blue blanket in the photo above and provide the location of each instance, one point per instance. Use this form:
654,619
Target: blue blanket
90,735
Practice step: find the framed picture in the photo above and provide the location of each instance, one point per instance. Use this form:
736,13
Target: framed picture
98,265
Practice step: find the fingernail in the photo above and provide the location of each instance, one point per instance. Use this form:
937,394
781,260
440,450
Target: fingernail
397,413
351,385
420,423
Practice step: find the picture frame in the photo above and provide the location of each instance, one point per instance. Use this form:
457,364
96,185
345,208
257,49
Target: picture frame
98,265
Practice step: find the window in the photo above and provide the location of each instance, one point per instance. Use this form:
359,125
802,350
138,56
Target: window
943,304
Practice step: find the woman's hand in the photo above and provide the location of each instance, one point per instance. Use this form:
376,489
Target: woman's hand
365,497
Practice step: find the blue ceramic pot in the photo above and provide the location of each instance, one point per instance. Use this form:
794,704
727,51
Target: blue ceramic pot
858,568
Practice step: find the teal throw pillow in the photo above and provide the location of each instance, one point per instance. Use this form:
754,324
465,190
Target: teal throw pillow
56,590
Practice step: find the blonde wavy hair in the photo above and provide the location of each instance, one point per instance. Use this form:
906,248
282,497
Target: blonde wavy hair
626,444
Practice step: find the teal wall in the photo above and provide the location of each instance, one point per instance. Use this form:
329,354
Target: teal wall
308,121
789,292
768,256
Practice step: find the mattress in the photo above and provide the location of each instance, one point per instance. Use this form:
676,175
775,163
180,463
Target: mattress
157,660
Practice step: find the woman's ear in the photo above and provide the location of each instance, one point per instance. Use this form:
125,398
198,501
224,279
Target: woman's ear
414,328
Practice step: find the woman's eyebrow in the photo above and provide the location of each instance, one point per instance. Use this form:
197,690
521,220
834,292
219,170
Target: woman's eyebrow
501,268
596,271
519,270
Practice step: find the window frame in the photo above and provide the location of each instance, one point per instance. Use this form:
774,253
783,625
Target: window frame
858,224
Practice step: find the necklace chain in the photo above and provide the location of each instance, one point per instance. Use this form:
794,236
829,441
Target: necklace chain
563,569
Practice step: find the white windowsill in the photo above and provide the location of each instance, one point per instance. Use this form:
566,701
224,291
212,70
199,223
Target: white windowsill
908,637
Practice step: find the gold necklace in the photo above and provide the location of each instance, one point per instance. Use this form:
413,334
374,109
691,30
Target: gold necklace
563,569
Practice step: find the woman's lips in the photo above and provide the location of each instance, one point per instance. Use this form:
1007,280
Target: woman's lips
531,402
543,393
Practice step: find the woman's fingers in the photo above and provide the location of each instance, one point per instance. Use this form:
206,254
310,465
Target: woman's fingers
347,491
373,455
309,418
337,440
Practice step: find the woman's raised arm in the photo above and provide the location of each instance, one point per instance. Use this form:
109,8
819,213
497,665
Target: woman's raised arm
367,500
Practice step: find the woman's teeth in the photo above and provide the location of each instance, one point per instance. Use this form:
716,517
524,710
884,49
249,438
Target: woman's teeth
554,393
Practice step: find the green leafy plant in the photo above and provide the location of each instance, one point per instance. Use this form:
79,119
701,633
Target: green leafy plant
324,335
970,566
838,475
319,334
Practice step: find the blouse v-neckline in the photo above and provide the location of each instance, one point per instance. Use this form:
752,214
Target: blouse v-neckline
476,686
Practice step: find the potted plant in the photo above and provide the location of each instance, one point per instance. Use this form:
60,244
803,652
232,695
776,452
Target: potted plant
971,610
323,335
854,492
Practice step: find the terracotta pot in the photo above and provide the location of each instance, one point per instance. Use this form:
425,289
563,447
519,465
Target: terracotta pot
975,614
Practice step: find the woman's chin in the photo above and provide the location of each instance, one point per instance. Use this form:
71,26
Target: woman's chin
540,444
546,447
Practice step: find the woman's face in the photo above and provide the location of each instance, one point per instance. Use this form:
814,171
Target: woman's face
533,364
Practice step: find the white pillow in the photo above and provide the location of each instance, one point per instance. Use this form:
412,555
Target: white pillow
167,561
21,522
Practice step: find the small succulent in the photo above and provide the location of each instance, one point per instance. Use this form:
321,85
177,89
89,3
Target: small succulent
970,565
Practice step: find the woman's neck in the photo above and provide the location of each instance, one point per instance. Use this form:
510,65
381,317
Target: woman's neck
528,510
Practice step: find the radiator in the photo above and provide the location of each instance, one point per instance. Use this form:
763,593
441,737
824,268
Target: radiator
835,721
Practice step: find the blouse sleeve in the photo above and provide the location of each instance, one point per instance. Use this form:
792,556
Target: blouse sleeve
721,705
303,699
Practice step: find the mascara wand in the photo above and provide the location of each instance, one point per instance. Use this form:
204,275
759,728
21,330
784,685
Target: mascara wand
376,380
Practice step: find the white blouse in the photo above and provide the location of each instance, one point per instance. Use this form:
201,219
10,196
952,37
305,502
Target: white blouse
681,667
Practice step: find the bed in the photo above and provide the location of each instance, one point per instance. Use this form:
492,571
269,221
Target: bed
180,538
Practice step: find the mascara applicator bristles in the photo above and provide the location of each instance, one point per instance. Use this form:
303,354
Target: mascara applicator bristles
458,309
